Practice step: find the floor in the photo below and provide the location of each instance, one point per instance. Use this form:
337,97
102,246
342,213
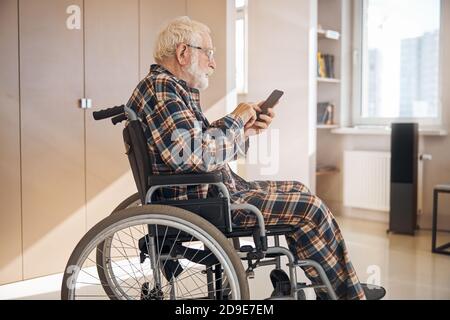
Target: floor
404,265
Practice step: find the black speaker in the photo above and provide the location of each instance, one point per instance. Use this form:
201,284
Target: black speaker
404,162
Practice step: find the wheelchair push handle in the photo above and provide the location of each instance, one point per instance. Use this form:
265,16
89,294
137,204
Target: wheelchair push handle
119,119
108,113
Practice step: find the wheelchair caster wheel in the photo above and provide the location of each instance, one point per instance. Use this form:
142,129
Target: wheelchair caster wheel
282,286
154,294
373,292
274,296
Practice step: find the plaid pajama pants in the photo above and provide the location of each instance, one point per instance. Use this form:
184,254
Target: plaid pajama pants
316,236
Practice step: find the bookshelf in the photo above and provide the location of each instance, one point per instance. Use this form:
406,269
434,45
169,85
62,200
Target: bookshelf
328,80
328,34
327,126
326,171
332,88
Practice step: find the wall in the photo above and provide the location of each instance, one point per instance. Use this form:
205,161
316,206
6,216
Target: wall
38,242
10,213
216,99
218,15
437,171
281,56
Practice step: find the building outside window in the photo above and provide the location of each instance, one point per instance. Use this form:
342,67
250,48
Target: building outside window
397,74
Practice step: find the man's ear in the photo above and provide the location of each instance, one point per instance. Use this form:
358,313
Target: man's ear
182,54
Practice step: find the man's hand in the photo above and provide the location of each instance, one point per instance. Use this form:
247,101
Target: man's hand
246,112
261,123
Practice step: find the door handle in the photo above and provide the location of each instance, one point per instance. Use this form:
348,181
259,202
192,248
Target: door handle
86,103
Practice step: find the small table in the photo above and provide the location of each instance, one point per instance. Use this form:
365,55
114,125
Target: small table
442,188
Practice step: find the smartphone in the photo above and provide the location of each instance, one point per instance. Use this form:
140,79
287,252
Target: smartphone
271,101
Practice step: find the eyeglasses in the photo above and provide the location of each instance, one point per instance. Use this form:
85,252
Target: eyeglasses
208,51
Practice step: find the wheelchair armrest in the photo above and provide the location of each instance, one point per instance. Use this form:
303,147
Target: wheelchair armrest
184,179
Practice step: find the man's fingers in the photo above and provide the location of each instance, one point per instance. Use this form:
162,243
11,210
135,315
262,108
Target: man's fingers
261,125
271,112
251,121
266,118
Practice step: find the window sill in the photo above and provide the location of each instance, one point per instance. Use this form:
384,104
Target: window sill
384,131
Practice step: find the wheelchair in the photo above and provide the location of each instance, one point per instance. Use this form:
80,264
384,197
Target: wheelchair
149,249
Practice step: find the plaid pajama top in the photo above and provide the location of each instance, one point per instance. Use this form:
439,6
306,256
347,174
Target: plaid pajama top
172,120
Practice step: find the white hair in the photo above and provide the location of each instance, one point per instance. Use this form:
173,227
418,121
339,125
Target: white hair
179,30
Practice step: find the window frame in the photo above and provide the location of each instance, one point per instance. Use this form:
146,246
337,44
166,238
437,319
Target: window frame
242,13
359,46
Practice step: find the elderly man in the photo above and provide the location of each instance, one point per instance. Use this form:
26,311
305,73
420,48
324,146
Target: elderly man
167,101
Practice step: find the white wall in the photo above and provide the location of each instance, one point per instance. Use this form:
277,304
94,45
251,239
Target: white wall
216,15
281,56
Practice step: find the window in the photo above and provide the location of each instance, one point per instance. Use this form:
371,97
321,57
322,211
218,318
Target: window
397,74
241,46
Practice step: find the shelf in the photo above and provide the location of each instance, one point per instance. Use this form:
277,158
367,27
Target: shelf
328,170
328,34
327,126
384,131
328,80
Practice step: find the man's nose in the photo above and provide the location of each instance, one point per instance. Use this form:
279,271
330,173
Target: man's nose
212,64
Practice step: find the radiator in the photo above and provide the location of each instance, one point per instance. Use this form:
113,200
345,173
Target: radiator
367,179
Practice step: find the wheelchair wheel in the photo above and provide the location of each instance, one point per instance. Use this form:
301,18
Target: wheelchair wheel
103,249
155,252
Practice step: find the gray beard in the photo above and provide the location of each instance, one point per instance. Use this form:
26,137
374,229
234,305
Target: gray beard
201,82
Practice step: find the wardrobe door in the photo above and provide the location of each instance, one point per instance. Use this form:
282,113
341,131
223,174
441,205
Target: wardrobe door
112,72
10,213
154,14
53,170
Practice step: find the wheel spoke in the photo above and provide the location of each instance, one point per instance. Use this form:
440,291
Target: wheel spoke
122,276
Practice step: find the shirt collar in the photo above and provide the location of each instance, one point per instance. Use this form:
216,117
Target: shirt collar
156,68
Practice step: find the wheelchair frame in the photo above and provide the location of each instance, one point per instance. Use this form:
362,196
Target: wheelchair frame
277,250
259,255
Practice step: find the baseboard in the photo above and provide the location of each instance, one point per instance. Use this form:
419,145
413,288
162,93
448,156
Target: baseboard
364,214
30,288
424,221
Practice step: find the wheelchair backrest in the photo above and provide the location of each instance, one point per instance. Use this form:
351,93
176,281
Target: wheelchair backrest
138,155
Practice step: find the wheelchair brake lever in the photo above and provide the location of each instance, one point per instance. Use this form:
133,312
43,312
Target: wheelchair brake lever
251,267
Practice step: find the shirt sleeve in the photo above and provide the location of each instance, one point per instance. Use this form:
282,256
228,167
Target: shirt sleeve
185,144
242,144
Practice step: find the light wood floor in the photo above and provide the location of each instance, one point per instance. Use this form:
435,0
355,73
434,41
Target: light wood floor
404,265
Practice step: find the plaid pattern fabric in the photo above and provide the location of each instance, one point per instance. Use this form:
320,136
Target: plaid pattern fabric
316,236
173,121
166,104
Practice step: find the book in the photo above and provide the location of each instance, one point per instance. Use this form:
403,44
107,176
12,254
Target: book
325,113
321,66
328,65
325,65
332,75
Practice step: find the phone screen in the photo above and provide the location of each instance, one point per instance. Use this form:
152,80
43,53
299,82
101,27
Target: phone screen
271,101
